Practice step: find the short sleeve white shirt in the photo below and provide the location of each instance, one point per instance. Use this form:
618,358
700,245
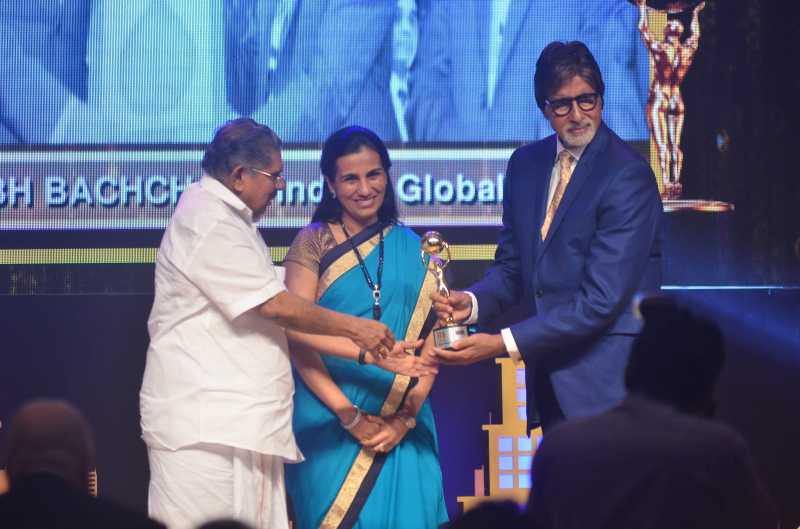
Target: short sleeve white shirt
216,371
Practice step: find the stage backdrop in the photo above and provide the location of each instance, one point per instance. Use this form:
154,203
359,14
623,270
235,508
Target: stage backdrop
105,107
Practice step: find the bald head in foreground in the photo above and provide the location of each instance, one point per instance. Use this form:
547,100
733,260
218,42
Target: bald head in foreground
50,456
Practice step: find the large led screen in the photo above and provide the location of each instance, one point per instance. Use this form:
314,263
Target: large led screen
105,107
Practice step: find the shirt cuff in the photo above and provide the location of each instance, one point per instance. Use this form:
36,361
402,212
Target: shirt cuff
473,316
511,344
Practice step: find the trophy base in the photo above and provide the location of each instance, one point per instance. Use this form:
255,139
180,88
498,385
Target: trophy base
703,206
445,336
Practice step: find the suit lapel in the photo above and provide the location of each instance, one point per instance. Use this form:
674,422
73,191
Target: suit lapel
483,13
517,11
579,176
542,169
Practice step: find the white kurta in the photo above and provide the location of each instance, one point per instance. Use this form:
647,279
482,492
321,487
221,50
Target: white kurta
217,373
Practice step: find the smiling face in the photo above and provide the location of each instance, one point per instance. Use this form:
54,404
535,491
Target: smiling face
256,189
360,187
577,128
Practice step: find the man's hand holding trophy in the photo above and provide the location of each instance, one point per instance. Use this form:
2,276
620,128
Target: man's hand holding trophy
435,255
453,343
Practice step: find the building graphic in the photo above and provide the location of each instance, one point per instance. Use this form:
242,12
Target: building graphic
511,449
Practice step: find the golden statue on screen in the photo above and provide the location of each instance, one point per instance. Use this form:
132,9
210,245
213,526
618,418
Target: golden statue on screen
670,59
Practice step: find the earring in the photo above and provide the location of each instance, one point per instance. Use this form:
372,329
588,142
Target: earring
333,193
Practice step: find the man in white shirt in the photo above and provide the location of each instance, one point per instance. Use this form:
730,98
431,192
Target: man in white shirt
216,400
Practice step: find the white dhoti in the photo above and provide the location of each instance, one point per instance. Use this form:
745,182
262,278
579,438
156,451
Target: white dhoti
202,482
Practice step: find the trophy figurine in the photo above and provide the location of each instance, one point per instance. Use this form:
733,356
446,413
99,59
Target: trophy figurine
670,59
438,252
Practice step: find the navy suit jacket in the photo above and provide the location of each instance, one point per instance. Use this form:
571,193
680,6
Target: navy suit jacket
603,246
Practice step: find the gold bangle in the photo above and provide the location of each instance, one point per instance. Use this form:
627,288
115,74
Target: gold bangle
352,424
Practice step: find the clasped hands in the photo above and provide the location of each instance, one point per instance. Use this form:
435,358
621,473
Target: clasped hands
380,434
471,349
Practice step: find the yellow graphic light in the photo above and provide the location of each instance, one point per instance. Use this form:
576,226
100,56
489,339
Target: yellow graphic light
511,449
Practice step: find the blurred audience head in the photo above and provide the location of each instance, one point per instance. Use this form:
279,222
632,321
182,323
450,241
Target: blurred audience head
50,436
491,514
677,358
224,523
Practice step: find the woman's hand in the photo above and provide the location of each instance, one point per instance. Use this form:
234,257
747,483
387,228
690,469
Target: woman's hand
405,363
392,431
401,348
367,427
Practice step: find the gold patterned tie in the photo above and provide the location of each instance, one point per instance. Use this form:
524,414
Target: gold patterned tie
565,172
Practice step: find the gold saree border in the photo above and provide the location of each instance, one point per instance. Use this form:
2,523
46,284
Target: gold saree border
365,458
347,261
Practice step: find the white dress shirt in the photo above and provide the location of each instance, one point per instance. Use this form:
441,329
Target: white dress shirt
217,371
555,175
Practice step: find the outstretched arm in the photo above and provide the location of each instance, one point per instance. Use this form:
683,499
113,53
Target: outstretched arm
295,312
693,41
500,288
644,27
302,282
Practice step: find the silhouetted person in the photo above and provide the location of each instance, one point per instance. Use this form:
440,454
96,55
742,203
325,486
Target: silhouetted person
656,460
224,523
491,515
50,455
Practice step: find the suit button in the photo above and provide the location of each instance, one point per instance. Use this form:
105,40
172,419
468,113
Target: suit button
539,293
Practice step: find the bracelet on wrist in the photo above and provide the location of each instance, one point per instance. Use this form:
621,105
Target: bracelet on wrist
362,356
352,424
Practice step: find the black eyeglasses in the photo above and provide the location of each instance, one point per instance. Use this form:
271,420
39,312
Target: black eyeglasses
562,107
273,177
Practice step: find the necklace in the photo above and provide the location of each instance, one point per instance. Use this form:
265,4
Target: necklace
376,287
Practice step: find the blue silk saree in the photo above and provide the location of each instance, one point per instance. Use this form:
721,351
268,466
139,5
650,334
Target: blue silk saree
341,485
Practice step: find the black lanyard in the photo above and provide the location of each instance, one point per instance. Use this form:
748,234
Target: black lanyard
376,288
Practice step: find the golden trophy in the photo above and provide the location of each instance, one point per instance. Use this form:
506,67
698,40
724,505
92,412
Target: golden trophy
671,54
670,59
437,250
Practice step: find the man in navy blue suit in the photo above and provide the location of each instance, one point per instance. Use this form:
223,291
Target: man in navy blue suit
581,235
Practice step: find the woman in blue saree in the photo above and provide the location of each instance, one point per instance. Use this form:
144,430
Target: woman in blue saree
368,435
